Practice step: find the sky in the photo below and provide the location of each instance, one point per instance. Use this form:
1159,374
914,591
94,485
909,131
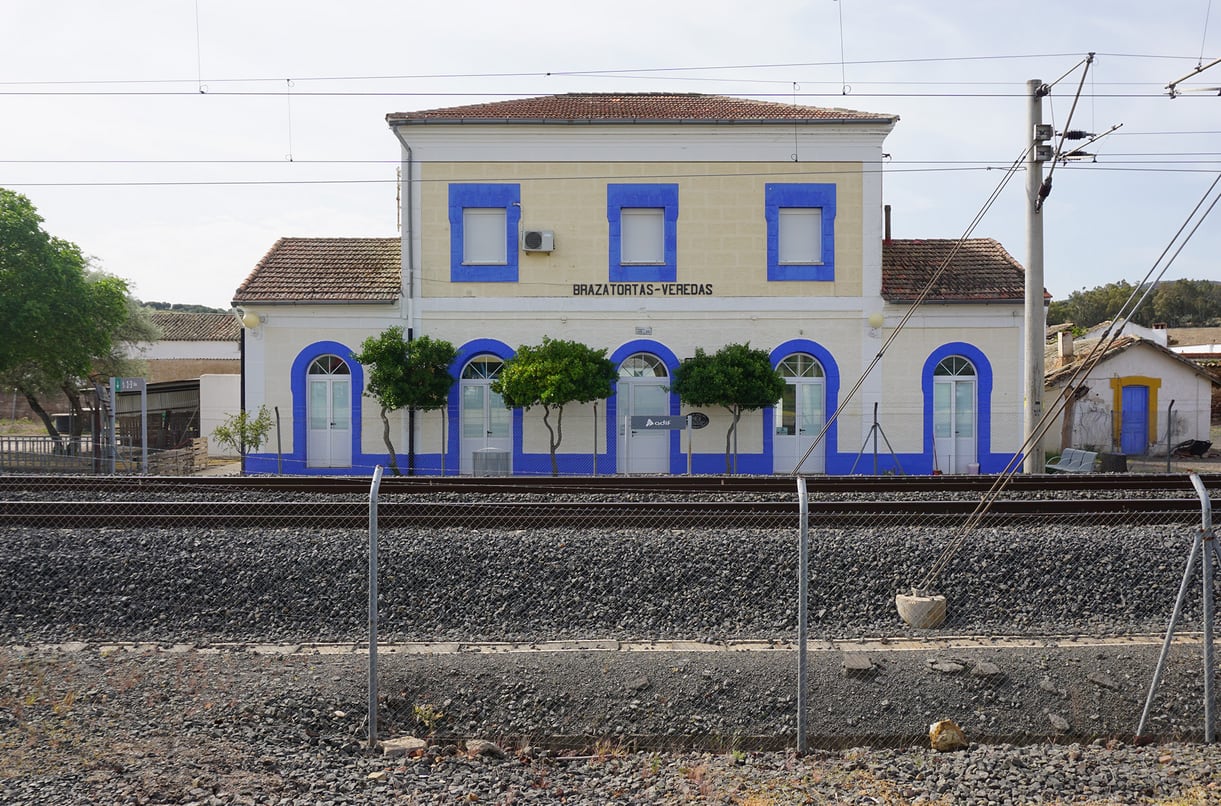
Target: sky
175,141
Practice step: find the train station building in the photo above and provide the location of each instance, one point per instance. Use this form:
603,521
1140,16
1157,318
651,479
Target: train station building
648,225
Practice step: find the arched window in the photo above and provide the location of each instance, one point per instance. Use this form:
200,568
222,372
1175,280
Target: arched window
643,365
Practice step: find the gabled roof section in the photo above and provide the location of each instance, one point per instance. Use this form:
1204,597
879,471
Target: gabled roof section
325,270
980,271
643,107
1058,373
184,326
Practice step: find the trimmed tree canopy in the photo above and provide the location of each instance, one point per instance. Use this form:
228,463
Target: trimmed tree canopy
552,375
406,375
735,377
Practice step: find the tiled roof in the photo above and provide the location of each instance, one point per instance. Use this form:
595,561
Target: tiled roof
1056,373
352,270
643,107
980,271
183,326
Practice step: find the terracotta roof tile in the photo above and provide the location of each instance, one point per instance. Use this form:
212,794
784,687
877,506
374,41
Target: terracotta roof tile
350,270
981,271
644,107
183,326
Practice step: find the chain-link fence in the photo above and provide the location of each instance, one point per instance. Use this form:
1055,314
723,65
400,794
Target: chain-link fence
587,615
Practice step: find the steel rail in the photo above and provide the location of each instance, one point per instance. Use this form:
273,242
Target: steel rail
584,485
585,514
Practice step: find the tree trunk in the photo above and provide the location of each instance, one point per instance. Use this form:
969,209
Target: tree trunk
394,462
47,422
555,434
76,425
733,427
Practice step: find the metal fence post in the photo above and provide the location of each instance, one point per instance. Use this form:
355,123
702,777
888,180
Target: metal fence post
1209,539
803,576
377,481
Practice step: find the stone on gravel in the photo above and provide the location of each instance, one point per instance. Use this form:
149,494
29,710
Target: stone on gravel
403,746
945,736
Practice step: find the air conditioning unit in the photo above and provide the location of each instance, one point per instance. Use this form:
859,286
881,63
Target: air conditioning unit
538,240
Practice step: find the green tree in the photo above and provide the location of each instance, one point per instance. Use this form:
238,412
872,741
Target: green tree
1177,303
60,321
407,375
552,375
244,432
735,377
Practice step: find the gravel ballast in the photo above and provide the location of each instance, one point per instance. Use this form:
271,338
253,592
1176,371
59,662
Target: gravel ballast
199,665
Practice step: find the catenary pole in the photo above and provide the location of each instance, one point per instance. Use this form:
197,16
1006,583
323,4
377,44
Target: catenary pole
1035,318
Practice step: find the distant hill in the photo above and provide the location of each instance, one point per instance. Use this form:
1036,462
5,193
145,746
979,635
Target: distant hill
178,307
1174,303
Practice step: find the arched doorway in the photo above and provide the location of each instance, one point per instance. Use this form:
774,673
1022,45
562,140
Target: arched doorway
954,431
329,443
643,389
485,422
800,414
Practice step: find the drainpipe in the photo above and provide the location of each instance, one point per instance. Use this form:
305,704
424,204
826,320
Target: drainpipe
408,264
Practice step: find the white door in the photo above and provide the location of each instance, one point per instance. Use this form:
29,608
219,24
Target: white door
484,421
799,416
330,413
954,415
643,389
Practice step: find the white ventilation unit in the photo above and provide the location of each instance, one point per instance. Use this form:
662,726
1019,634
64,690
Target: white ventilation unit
538,240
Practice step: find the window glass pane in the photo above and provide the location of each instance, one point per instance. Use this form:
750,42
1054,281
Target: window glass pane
800,235
650,398
339,403
964,408
485,366
483,230
319,417
786,415
800,365
500,423
941,410
810,408
643,235
642,365
472,411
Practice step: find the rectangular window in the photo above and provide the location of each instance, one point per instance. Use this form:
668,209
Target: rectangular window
800,231
643,236
483,222
800,236
643,242
483,239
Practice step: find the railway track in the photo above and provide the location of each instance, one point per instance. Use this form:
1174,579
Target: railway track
584,485
539,503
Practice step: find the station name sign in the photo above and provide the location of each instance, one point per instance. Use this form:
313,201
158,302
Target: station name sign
642,289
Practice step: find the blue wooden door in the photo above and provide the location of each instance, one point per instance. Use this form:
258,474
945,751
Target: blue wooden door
1134,420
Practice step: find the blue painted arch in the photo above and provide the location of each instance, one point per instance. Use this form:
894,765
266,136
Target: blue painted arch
989,462
453,442
296,460
667,357
833,461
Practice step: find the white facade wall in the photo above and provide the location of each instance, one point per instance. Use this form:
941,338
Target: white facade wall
219,398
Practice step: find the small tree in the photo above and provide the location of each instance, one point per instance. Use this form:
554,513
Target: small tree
243,432
552,375
735,377
407,374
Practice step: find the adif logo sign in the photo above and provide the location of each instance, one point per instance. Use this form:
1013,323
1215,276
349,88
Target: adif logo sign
651,423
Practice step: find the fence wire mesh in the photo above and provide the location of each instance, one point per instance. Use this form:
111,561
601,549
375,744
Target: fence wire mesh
596,616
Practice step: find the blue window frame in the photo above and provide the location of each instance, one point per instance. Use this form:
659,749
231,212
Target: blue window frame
813,264
506,197
643,197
